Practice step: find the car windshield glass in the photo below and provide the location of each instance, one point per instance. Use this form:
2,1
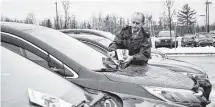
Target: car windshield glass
202,36
74,49
188,36
165,34
209,35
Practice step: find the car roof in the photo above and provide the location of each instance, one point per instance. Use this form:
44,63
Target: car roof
20,26
104,34
17,79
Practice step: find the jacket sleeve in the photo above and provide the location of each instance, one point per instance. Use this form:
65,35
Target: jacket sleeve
145,51
117,43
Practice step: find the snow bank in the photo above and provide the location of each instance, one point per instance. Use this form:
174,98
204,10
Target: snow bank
188,50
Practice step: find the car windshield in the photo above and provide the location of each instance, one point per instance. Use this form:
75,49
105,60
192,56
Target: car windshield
204,36
74,49
188,36
165,34
209,35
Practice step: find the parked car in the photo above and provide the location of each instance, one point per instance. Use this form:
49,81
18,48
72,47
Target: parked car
213,33
83,66
19,74
164,39
17,79
109,38
204,40
101,44
188,40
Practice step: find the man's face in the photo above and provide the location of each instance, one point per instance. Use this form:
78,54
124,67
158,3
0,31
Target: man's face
136,22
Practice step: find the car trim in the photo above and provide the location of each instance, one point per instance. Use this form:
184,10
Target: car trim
94,45
25,41
75,74
58,61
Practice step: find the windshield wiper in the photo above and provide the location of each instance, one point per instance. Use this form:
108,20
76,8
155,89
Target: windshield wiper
106,70
92,103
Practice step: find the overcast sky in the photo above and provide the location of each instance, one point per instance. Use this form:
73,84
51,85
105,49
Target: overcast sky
85,9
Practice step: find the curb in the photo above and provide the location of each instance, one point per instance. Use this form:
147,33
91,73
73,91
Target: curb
190,54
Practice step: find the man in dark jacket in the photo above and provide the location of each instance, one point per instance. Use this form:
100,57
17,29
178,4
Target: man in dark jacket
134,38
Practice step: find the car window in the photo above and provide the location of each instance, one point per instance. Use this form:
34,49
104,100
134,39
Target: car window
35,58
13,48
39,56
51,63
68,72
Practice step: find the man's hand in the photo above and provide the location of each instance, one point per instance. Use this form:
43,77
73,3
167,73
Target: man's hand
128,60
111,54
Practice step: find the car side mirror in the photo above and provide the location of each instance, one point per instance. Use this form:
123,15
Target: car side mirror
57,70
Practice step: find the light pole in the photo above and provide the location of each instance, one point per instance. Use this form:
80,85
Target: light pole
207,15
57,25
170,28
205,21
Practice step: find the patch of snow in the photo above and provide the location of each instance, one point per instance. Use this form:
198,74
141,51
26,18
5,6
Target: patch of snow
213,93
189,50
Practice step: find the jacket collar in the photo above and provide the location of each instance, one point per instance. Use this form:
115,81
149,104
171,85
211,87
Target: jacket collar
128,32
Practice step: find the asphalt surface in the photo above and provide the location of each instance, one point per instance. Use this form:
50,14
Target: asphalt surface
208,64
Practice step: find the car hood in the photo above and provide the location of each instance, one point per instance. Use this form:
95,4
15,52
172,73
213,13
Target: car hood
204,39
155,76
135,101
176,65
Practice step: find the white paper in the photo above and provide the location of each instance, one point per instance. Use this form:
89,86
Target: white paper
46,100
122,54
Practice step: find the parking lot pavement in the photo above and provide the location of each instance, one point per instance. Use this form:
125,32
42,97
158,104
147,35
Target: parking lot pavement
208,64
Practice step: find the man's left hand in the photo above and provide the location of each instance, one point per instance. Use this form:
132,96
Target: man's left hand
128,60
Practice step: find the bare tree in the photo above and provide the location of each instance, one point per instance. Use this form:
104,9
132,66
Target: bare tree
169,4
61,22
30,19
66,5
46,23
7,19
186,17
74,23
164,19
88,26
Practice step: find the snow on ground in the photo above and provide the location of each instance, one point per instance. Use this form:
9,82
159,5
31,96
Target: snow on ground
188,50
